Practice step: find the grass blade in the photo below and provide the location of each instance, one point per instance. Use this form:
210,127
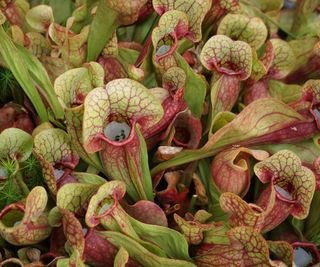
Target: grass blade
40,76
103,25
18,67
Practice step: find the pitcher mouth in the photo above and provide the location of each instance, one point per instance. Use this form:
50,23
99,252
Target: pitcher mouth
8,167
302,257
118,130
76,102
305,254
284,194
17,211
105,207
316,114
258,210
182,136
187,130
64,167
3,173
166,46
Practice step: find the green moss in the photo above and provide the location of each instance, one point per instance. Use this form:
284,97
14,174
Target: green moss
7,81
9,191
32,172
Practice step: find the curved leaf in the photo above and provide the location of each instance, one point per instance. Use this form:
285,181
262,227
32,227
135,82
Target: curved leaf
195,10
123,97
222,54
16,144
251,30
51,147
40,17
73,196
33,226
284,170
283,61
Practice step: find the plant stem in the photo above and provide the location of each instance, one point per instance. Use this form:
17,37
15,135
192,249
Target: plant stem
21,184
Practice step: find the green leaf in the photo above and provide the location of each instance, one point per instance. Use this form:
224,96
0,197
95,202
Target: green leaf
74,260
142,30
88,178
224,94
306,150
62,10
171,241
213,192
139,253
221,119
273,116
121,258
63,262
195,90
298,226
40,76
285,92
128,56
103,25
312,227
147,180
55,217
18,66
306,20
